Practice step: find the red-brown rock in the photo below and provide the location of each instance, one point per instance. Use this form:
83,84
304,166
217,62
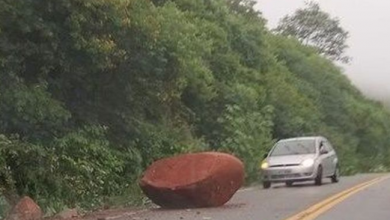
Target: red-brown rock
193,180
25,209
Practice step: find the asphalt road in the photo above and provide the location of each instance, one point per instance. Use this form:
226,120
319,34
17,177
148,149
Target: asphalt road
281,202
372,203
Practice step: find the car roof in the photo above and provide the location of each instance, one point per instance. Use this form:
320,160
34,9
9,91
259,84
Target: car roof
302,138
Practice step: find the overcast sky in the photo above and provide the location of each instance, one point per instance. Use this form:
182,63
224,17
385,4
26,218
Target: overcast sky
368,22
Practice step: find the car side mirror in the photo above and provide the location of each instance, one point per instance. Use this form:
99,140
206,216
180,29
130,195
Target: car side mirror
323,151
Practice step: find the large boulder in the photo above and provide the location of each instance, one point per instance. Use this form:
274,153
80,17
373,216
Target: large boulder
25,209
193,180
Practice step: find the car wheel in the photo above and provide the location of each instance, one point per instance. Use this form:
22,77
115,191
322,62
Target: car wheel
266,185
289,183
336,176
318,179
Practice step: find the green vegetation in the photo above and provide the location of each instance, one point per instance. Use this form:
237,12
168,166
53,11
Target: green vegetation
93,91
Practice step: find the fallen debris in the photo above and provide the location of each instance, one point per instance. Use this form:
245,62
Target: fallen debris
67,214
193,180
25,209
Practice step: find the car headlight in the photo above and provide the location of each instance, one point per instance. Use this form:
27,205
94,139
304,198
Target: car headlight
264,165
308,163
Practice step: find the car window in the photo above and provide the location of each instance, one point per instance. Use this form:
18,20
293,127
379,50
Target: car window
296,147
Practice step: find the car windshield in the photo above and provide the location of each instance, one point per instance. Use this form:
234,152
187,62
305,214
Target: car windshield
296,147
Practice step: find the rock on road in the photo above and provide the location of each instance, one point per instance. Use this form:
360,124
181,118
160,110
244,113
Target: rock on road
281,202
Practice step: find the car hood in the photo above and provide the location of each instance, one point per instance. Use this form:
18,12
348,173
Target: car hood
289,159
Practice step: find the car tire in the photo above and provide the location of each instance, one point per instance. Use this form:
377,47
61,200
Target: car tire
318,179
336,176
266,185
289,183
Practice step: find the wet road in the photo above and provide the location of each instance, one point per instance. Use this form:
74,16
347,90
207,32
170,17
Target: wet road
280,203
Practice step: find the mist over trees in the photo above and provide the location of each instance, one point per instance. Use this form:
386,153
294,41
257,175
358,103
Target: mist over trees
93,91
314,27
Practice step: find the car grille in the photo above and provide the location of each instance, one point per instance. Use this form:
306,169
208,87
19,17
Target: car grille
285,165
286,176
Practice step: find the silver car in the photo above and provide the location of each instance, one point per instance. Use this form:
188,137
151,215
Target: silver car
300,159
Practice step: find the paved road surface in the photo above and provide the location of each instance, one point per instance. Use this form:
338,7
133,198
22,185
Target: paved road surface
280,202
370,204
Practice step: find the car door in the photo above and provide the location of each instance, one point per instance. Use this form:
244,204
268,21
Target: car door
329,159
333,160
326,158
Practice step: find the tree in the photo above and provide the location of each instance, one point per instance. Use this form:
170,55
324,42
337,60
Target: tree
243,6
314,27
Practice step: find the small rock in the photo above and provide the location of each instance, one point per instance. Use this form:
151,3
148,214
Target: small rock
67,214
25,209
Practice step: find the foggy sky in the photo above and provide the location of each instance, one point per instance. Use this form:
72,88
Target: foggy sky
368,22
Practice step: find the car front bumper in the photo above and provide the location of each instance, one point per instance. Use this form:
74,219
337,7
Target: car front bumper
295,173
